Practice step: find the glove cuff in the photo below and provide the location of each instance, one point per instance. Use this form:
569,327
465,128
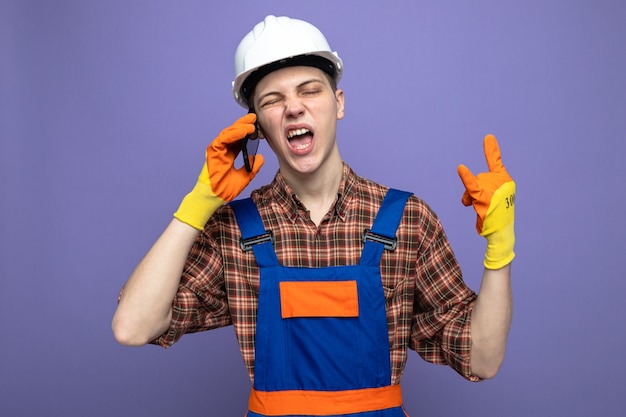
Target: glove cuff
198,206
500,247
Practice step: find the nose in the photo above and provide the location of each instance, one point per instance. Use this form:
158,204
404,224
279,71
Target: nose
294,107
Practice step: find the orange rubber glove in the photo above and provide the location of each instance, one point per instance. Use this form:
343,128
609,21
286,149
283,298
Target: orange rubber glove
493,196
219,181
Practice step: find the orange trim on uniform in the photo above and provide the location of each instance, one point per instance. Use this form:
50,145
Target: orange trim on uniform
324,403
319,299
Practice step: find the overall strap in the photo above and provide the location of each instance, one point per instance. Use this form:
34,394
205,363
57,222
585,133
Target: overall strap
254,237
382,235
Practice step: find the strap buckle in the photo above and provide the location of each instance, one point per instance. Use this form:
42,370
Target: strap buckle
390,243
247,244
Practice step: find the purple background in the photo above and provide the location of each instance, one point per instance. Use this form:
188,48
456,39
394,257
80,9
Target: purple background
105,110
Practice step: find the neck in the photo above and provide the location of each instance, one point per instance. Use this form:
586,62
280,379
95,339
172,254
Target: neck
318,191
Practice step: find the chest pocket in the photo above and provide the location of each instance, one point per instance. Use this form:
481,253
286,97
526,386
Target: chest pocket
319,299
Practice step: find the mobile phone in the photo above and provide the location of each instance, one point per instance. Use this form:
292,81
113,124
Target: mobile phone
249,147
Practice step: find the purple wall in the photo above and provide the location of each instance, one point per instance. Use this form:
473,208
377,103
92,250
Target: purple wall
105,110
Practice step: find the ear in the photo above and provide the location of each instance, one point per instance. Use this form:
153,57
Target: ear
259,130
340,103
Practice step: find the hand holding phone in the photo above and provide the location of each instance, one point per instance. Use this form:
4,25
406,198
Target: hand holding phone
219,181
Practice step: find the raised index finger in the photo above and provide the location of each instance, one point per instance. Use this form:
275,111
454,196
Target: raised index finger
492,154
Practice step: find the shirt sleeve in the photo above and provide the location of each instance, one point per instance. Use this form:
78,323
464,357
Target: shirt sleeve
200,303
441,327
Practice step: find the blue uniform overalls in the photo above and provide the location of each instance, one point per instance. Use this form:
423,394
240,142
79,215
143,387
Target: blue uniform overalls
321,336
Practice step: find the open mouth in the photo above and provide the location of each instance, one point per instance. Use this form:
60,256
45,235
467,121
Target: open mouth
300,139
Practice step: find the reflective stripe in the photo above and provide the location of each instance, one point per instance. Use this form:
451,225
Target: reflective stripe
319,299
324,403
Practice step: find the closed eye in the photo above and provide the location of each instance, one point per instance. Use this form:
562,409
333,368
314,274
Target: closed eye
311,92
270,101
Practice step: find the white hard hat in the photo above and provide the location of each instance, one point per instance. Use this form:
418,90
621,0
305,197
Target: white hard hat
277,42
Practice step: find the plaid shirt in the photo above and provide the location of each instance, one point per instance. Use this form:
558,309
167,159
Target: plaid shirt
428,304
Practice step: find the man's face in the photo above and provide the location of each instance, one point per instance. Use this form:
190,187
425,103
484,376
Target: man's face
297,111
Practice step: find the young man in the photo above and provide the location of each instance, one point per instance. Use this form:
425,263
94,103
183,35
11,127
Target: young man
328,278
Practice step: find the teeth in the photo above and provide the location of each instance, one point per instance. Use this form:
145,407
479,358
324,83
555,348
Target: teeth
297,132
